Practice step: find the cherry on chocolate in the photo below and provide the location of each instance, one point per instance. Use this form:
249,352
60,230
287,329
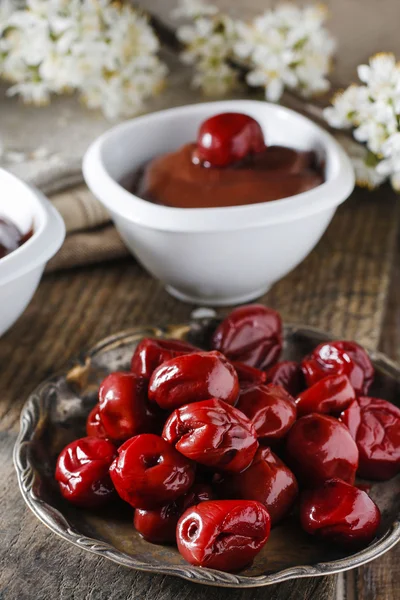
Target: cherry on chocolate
340,358
223,534
251,334
94,426
287,374
123,406
271,410
214,434
267,480
194,377
318,448
150,353
149,472
329,395
340,513
82,472
158,525
227,138
249,376
375,426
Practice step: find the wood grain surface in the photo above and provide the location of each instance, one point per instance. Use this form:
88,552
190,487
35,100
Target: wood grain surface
343,286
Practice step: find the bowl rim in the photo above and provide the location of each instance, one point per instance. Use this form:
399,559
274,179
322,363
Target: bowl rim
47,237
31,420
124,204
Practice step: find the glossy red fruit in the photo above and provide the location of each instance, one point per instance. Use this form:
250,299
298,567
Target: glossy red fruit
150,353
223,534
340,358
82,472
267,480
158,525
319,447
123,406
149,472
214,434
329,395
340,513
194,377
375,426
227,138
249,376
271,410
94,426
251,334
287,374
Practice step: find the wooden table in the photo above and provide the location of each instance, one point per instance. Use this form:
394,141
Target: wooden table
350,284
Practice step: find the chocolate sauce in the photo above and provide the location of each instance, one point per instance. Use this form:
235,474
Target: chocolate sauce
173,180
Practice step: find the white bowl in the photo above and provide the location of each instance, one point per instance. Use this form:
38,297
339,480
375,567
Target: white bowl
216,256
20,271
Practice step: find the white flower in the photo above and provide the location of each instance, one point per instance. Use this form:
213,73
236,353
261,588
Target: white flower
366,175
191,9
395,181
391,152
286,47
104,50
372,110
208,46
382,76
32,92
216,79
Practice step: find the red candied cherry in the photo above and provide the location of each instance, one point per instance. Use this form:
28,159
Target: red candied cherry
227,138
223,534
267,480
340,358
249,376
193,377
94,426
287,374
271,410
150,353
340,513
319,447
329,395
82,472
212,433
375,426
158,525
123,406
148,472
251,334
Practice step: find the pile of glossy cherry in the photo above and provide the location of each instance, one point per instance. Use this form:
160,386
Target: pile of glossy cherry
210,448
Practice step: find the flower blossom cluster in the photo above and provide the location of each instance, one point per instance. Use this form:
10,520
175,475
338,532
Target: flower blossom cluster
104,50
285,47
208,45
372,111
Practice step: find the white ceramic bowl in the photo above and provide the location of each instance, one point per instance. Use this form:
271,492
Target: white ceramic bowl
216,256
20,271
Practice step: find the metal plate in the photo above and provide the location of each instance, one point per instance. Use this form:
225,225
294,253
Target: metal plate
55,414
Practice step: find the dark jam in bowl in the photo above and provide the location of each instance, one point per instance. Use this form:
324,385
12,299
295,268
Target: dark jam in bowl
230,164
174,180
11,237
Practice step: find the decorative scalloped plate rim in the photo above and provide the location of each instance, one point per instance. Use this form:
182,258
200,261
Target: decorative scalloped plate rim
55,520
